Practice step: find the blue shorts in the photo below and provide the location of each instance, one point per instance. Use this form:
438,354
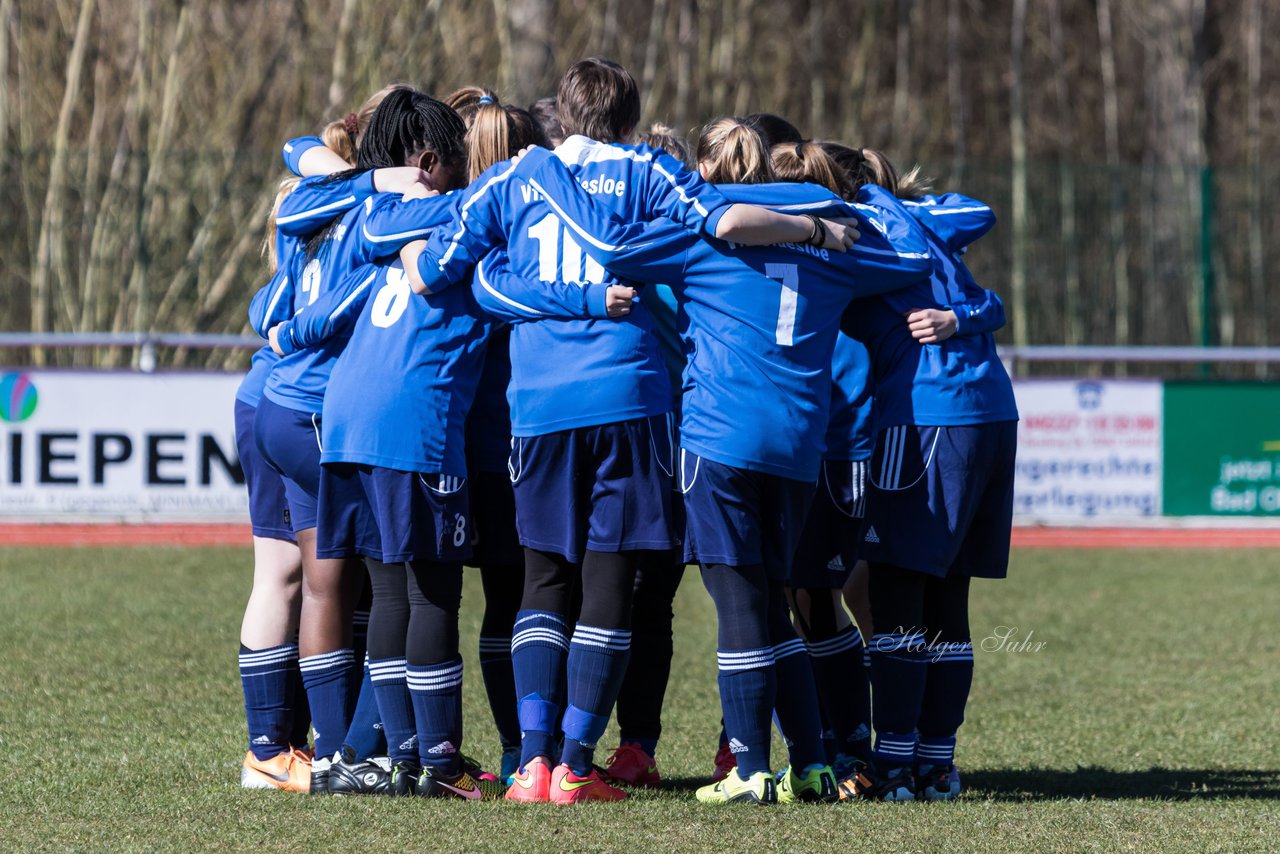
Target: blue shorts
392,516
740,517
828,546
941,499
494,541
268,507
289,441
605,488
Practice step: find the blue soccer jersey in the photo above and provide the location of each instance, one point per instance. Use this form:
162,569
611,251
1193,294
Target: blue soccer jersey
272,304
568,374
369,231
761,321
849,430
957,381
406,369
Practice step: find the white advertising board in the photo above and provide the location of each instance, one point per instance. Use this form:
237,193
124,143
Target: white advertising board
1088,450
119,445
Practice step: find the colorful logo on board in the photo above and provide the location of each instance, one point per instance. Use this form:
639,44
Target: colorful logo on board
18,397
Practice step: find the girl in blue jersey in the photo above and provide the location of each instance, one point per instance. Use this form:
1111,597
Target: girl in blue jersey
589,400
939,507
835,527
275,704
288,421
760,323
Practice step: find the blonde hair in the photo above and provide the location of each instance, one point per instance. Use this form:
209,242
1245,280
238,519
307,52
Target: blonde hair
660,136
496,132
269,241
733,152
468,100
876,168
810,161
342,136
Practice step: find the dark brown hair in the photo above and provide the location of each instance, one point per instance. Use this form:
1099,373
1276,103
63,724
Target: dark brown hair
598,98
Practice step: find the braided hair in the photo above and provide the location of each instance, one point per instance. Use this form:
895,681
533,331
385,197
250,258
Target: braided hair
406,123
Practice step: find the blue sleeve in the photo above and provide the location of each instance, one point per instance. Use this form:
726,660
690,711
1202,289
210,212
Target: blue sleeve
682,195
272,303
391,221
333,313
317,201
295,148
891,250
648,252
513,298
979,316
957,220
475,228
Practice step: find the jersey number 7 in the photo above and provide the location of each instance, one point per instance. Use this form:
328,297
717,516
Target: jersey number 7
789,276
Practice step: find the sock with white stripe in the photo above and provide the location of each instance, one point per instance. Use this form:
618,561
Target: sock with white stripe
327,678
843,690
395,706
949,671
539,644
300,721
436,691
365,736
597,663
796,702
898,671
744,656
267,676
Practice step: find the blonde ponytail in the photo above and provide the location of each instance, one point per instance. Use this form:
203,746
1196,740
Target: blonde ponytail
731,151
810,161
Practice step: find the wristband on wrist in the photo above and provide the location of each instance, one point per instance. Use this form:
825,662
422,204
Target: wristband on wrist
818,236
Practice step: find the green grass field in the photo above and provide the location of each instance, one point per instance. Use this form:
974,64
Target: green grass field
1147,720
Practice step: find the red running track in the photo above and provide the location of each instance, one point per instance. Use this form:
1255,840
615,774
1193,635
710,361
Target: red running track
168,534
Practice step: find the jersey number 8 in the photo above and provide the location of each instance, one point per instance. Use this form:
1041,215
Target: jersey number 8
392,298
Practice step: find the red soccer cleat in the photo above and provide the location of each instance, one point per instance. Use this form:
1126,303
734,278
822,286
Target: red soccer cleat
632,766
532,783
568,788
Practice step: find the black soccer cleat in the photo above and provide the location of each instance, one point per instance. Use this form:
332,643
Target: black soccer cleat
371,776
320,774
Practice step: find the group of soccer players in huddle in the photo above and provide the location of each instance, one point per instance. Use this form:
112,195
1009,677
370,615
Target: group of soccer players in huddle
517,340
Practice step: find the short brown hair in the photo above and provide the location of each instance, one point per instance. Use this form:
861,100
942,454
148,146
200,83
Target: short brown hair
598,98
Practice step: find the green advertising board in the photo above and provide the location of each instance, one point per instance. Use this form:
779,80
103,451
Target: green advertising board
1222,449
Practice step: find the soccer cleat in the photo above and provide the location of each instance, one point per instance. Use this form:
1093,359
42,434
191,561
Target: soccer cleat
759,789
847,765
532,783
288,771
472,767
938,782
898,785
320,773
725,762
569,788
817,784
461,785
370,777
632,766
510,764
403,780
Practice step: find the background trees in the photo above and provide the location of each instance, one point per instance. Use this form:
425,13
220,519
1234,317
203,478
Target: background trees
1127,146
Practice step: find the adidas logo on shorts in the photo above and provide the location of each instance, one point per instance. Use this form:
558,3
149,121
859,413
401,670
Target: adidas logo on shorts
871,536
736,746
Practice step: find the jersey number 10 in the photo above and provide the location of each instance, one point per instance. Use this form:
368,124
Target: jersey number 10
560,257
